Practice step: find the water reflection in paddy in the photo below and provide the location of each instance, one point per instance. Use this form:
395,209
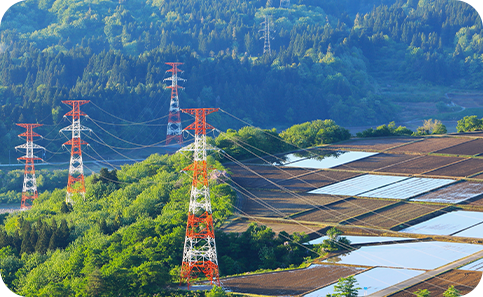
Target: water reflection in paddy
415,255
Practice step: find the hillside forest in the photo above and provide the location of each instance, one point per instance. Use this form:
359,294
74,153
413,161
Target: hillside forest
329,60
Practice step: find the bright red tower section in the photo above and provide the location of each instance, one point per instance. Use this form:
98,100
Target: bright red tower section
199,255
75,182
174,130
29,190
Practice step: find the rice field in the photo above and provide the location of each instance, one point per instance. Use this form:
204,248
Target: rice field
464,168
429,145
447,224
456,193
407,188
358,185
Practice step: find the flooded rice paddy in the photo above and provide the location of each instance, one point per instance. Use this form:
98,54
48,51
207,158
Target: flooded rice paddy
449,224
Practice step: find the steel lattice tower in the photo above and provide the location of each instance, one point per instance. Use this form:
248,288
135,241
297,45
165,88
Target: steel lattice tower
266,35
76,168
174,130
199,255
29,190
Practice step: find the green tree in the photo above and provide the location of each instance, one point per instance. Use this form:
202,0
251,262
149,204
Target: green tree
469,123
452,292
422,293
216,292
345,287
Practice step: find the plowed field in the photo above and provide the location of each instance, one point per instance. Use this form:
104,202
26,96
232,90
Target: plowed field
429,145
473,147
291,282
465,168
377,145
419,165
290,178
396,215
242,225
376,162
463,280
343,210
263,203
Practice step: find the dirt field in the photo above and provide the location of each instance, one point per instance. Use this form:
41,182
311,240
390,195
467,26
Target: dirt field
242,225
463,280
261,203
343,210
462,169
420,165
451,193
295,179
376,162
473,147
396,215
291,282
429,145
373,144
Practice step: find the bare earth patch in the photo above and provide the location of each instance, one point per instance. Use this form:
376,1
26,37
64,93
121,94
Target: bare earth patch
291,282
420,165
463,280
429,145
376,162
470,148
462,169
373,144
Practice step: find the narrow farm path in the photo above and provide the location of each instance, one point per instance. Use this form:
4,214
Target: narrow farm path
427,275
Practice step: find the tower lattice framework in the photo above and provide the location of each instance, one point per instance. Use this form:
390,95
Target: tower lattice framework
266,34
29,189
174,130
76,183
199,254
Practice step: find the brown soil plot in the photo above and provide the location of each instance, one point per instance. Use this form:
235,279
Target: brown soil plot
291,282
430,145
470,148
420,165
373,163
396,215
462,169
378,144
295,179
463,280
240,226
343,210
262,203
454,193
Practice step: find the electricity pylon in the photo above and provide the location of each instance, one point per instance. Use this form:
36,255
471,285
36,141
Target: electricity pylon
29,190
174,131
199,254
76,183
266,35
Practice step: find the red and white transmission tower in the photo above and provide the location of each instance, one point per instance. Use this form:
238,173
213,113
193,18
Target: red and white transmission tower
29,190
199,255
174,130
76,168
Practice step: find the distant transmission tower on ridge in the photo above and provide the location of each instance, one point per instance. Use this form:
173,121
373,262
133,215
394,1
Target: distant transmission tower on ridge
285,3
75,182
266,35
29,190
174,130
199,254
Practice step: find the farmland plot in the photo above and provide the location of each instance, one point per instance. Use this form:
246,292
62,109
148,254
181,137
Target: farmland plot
473,147
397,215
316,179
376,162
474,266
429,145
291,282
374,280
475,232
407,188
378,144
447,224
357,185
463,281
330,162
454,193
242,225
420,165
355,239
279,204
465,168
414,255
343,210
